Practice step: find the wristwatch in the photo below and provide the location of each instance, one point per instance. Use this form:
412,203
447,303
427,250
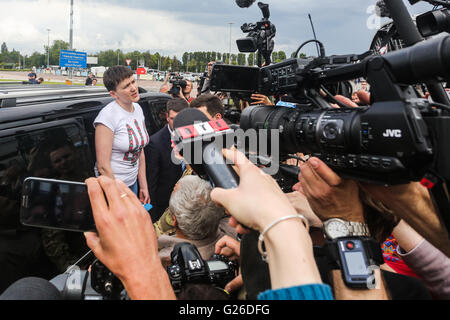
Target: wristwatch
338,228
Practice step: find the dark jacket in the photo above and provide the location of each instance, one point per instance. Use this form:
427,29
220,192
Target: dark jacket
162,173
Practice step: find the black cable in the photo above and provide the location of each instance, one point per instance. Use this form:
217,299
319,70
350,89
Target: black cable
322,49
341,104
440,105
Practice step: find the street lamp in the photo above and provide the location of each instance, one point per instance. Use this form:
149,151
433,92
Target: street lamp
48,49
229,51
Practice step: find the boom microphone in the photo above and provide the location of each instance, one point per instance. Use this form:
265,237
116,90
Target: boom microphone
244,3
200,142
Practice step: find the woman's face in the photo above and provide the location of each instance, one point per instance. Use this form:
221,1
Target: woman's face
127,91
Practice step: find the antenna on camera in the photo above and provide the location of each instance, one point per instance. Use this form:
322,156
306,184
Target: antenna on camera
314,33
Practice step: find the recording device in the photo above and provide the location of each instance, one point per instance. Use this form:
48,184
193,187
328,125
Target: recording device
244,3
56,204
397,139
260,36
188,266
434,22
177,84
356,257
200,142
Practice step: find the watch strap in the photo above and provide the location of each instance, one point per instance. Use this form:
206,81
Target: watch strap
357,229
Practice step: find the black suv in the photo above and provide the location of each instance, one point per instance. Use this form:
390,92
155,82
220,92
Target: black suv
48,132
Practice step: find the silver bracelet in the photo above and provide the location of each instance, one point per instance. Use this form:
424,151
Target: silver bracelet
261,236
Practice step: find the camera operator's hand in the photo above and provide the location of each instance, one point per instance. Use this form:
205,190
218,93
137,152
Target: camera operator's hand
261,99
364,97
328,195
125,241
412,203
348,102
230,248
300,203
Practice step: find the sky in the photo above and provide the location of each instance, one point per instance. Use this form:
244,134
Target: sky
172,27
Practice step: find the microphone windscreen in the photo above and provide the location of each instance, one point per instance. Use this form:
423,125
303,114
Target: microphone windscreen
244,3
188,117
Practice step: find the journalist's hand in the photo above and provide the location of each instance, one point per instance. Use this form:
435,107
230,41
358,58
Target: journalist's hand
301,205
125,240
230,248
258,200
328,195
261,99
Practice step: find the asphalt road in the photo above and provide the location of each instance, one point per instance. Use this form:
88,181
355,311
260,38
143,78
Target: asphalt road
149,85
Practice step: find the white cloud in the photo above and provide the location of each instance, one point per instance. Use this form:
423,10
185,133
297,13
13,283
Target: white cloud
99,26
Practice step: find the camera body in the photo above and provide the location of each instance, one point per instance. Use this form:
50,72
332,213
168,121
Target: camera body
189,267
260,36
397,139
177,83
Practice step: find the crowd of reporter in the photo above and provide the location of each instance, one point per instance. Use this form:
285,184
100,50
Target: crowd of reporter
236,222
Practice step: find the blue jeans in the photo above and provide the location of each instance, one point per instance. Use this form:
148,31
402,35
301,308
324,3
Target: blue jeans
134,188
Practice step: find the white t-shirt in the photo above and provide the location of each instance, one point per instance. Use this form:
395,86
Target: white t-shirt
130,138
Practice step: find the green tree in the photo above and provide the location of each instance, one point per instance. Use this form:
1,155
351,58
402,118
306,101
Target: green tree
37,59
241,59
281,55
251,59
275,57
55,50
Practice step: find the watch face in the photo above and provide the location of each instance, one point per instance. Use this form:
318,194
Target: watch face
336,229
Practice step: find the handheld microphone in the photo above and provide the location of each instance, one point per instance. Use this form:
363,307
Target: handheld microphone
200,142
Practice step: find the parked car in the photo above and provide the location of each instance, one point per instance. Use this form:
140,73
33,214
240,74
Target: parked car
50,134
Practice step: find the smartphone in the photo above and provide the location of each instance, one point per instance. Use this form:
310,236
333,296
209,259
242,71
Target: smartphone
354,263
56,204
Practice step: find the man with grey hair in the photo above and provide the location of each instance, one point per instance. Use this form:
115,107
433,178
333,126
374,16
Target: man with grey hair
197,219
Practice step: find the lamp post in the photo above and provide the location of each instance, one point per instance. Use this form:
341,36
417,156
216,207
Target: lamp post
71,36
229,51
48,48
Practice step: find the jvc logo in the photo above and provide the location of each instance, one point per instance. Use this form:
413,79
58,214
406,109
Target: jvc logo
392,133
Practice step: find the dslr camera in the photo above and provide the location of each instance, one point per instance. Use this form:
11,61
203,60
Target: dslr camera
189,267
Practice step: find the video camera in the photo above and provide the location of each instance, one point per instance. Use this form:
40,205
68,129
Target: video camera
397,139
177,83
260,36
434,21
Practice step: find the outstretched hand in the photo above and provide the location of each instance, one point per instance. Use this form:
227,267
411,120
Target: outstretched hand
125,241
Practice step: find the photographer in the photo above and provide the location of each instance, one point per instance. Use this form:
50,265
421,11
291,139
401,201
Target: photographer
195,216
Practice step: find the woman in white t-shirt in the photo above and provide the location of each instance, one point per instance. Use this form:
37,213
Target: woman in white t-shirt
120,133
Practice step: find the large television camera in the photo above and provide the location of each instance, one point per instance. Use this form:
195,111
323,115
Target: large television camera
399,138
260,36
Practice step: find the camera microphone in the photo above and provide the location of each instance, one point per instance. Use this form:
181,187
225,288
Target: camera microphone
244,3
200,142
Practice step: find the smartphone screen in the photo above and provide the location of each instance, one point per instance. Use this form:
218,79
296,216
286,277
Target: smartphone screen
56,204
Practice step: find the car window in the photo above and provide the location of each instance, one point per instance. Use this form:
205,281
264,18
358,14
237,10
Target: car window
59,152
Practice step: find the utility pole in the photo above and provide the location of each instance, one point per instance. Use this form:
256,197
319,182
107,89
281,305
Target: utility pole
229,51
48,48
71,36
